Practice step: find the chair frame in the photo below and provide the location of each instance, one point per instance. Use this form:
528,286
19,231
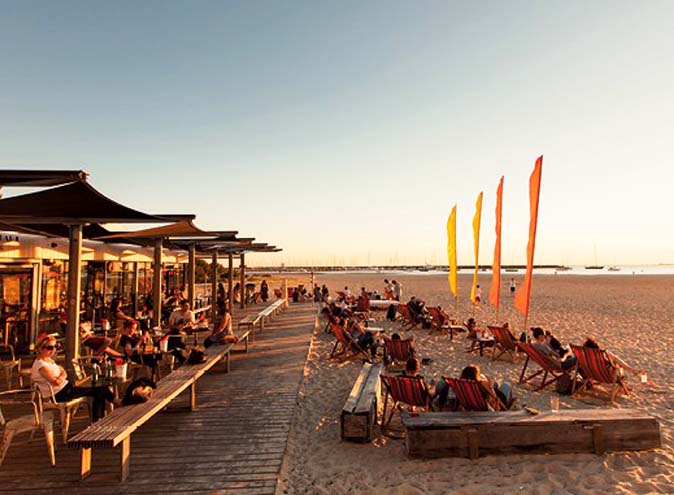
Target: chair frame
503,343
469,395
408,323
349,347
421,396
597,367
67,410
25,423
547,365
398,350
8,366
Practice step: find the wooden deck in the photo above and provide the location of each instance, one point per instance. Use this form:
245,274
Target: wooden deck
233,442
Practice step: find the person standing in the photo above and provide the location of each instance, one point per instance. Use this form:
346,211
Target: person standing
264,291
513,286
397,290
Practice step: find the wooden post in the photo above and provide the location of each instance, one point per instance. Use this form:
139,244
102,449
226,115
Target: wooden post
85,462
125,458
191,274
242,276
74,283
135,288
230,281
156,284
193,396
285,291
214,285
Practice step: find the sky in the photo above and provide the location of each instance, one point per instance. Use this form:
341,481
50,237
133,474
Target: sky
345,131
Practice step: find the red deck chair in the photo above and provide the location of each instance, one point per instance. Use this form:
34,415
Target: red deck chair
404,390
470,395
597,367
345,347
408,322
441,321
503,343
398,350
547,365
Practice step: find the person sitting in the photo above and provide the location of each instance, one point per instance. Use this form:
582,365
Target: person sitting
223,333
437,391
492,392
419,312
543,346
50,378
98,345
620,363
180,321
118,313
364,338
132,341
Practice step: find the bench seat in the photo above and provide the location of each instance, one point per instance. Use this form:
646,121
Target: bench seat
441,434
359,413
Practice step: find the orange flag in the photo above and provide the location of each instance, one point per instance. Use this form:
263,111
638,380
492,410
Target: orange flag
476,240
524,293
495,289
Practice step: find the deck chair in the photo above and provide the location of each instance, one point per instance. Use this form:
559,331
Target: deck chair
547,365
404,390
397,351
503,343
470,395
597,367
441,321
362,310
408,322
66,410
345,347
8,362
27,423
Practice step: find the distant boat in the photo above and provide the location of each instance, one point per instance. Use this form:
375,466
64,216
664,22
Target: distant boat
511,269
594,267
563,268
613,269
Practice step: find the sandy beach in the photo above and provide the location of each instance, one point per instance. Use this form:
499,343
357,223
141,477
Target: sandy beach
629,315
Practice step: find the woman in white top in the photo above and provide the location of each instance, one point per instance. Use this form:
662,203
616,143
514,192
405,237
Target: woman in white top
51,378
223,333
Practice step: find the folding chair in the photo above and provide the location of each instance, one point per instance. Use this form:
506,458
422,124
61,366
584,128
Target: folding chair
404,390
398,351
441,321
345,346
408,322
8,362
548,366
470,395
597,366
503,343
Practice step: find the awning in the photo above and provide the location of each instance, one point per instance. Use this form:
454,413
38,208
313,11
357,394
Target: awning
40,178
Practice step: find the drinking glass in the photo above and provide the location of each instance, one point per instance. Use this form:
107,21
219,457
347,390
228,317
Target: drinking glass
554,403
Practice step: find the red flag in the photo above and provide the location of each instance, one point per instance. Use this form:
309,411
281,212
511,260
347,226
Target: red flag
523,294
495,289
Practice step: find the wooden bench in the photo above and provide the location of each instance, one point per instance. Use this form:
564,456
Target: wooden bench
116,428
442,434
359,413
249,322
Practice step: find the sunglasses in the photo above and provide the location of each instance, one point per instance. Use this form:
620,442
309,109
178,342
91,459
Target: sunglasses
49,347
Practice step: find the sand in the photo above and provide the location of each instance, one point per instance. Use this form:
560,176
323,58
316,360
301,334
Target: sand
630,315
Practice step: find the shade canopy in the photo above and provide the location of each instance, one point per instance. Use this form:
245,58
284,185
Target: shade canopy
71,204
183,229
40,178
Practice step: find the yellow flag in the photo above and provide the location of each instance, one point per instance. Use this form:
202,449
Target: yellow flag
451,251
476,241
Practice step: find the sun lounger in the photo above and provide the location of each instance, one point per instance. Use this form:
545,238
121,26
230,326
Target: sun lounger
597,368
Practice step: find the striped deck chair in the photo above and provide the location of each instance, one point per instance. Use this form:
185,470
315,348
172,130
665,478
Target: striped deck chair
398,350
547,365
503,343
408,322
404,390
597,367
345,347
470,395
441,321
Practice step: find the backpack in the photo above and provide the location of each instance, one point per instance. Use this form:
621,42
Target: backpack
391,313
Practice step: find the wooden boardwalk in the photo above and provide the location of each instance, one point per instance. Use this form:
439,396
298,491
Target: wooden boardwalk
233,442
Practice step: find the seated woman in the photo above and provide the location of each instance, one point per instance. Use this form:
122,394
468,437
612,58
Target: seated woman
52,378
493,392
98,345
592,343
132,341
542,344
437,391
364,338
223,333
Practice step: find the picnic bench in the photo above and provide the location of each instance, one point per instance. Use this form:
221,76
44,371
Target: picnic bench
359,413
254,319
116,428
442,434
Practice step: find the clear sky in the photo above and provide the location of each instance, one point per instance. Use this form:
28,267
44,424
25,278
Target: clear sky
345,131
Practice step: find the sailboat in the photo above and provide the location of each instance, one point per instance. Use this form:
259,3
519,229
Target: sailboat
595,266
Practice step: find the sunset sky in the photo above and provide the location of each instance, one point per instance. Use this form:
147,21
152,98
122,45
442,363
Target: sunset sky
345,131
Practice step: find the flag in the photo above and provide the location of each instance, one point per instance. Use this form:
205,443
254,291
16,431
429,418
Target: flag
523,294
451,251
476,243
495,290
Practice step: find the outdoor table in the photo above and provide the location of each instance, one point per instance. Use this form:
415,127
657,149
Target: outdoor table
483,342
196,330
382,303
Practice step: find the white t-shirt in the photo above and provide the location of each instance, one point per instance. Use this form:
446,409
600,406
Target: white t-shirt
178,318
42,383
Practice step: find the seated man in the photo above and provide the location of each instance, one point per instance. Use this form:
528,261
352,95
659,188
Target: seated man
180,321
542,345
418,311
364,338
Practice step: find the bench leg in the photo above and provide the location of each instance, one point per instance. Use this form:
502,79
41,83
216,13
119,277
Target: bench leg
473,449
85,463
227,362
193,396
125,458
247,341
